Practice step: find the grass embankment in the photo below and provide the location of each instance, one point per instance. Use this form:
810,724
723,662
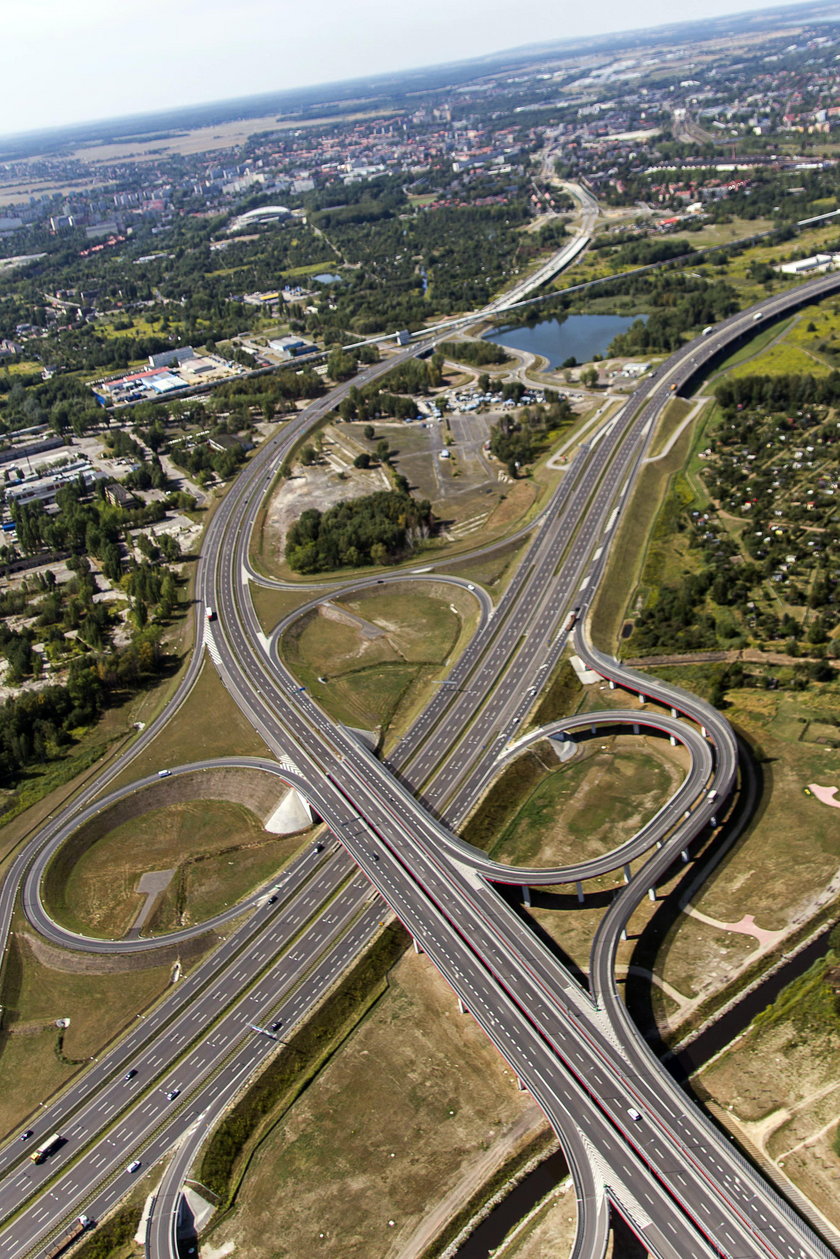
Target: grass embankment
415,1111
629,552
376,673
789,1116
208,724
36,1058
543,813
113,1239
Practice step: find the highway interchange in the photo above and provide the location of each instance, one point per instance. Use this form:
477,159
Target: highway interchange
678,1184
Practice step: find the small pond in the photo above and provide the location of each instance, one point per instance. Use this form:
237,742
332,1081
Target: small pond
558,339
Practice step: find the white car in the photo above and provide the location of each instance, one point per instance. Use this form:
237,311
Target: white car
133,1167
634,1114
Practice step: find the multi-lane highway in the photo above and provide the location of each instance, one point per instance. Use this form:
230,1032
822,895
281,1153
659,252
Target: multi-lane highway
669,1173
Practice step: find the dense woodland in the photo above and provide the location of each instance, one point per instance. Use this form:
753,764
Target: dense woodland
374,529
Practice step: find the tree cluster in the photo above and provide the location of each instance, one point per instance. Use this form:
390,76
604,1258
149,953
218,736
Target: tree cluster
375,529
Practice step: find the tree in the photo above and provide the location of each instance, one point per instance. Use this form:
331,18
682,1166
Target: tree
362,460
308,456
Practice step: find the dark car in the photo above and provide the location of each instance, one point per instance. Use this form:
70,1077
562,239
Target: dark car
276,1024
24,1136
172,1094
272,900
129,1075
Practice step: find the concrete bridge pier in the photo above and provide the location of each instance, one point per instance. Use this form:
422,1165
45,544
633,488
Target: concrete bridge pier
579,890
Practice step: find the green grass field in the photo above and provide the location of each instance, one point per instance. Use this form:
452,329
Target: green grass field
208,724
375,681
558,814
218,850
35,994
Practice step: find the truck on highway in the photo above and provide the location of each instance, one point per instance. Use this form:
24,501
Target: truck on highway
573,616
82,1223
45,1148
210,614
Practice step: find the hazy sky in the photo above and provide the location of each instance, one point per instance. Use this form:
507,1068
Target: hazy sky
64,62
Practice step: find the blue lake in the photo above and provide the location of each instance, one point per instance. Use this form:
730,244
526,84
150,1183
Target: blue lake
327,277
578,336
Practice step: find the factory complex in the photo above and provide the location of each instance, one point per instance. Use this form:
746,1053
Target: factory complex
168,374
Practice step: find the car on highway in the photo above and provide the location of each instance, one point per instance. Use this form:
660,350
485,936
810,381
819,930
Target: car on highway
24,1136
129,1075
133,1167
633,1113
276,1024
164,773
272,900
172,1094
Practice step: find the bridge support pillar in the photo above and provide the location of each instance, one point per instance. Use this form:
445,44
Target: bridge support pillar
674,713
673,740
623,933
713,821
593,729
526,895
520,1085
684,855
462,1009
659,843
627,874
652,893
612,685
635,727
418,948
704,732
579,890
